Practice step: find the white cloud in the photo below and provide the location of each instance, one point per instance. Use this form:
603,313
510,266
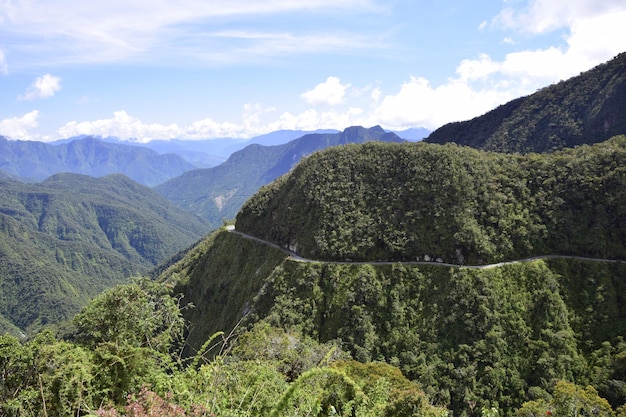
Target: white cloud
4,68
479,85
43,87
417,103
312,119
116,30
541,16
598,38
125,126
472,69
330,92
19,127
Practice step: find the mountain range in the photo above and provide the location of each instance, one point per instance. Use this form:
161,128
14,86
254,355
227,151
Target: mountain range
217,193
36,161
491,277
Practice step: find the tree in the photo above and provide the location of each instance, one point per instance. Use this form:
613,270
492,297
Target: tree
140,314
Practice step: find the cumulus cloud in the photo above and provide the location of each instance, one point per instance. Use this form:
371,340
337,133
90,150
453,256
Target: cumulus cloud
330,92
596,34
19,127
418,103
43,87
125,126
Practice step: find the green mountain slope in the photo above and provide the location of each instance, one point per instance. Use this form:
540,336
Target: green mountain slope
66,239
408,201
37,161
218,193
473,338
585,109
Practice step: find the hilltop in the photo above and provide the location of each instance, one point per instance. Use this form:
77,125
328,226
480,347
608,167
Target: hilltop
408,201
589,108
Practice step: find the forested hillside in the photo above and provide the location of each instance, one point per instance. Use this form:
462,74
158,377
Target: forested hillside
251,330
218,193
586,109
66,239
412,201
475,339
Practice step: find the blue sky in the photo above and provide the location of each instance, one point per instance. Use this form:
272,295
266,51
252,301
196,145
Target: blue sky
239,68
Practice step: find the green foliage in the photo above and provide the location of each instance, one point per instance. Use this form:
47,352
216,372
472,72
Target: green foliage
582,110
218,290
109,377
419,201
568,400
474,339
141,314
65,240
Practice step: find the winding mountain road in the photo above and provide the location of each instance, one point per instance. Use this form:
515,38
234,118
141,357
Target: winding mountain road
295,257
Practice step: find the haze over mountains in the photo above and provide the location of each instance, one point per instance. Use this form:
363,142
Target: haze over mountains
150,163
36,161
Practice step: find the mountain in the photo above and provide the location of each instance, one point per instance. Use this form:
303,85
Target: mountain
6,176
212,152
585,109
448,202
202,153
37,161
413,134
281,137
474,338
66,239
218,193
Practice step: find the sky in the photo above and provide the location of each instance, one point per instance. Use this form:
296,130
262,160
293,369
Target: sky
142,70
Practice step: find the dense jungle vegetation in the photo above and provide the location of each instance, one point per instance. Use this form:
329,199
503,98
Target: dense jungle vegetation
422,201
125,360
542,337
66,239
475,339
